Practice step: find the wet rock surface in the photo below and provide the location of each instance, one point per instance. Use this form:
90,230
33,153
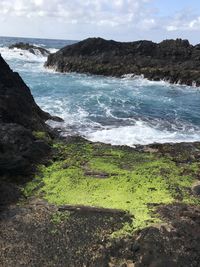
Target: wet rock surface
35,50
174,60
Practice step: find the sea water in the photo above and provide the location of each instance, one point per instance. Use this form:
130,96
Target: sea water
119,111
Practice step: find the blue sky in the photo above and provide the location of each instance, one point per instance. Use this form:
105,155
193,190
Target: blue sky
124,20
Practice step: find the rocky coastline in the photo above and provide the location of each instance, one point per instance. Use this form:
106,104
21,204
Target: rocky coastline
59,202
175,61
35,50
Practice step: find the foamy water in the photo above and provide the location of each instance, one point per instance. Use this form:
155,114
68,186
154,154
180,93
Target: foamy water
126,111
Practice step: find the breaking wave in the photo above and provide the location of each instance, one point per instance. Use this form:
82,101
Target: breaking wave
127,111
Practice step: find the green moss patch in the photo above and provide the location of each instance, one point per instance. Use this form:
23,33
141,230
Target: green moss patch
111,177
41,136
59,217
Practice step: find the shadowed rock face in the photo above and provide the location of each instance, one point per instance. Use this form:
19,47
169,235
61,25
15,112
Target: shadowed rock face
19,117
16,102
173,60
31,48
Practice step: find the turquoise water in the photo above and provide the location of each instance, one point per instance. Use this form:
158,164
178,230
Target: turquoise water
124,111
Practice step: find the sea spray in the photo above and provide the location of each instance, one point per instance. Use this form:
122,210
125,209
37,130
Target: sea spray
121,111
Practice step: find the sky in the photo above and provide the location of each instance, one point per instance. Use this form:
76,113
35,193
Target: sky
122,20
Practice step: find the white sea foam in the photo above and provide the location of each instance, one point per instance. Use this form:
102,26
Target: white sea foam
19,54
112,110
53,50
141,134
120,111
141,81
40,45
137,132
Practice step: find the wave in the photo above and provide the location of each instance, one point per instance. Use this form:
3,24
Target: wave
140,134
120,111
19,54
116,130
141,81
52,50
24,61
40,45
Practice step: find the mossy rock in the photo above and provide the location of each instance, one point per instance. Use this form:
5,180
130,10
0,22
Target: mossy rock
42,136
94,174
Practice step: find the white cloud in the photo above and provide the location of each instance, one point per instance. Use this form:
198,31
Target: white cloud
99,12
184,21
116,19
172,28
195,24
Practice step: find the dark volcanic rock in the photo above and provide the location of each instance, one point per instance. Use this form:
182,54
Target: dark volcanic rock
172,60
16,102
19,149
19,117
31,48
173,244
30,237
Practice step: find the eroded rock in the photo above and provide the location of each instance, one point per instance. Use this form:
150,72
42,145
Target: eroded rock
174,60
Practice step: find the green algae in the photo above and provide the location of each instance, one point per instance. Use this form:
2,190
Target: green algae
41,136
59,217
111,177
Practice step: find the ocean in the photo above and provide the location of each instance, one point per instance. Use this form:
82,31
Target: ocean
118,111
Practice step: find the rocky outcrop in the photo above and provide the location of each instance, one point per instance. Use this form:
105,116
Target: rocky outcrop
16,102
36,50
19,118
174,60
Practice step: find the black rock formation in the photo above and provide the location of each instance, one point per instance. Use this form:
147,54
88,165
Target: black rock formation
19,118
174,60
31,48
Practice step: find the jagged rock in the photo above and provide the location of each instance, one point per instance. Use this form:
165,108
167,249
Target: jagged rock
172,60
16,102
31,48
19,117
